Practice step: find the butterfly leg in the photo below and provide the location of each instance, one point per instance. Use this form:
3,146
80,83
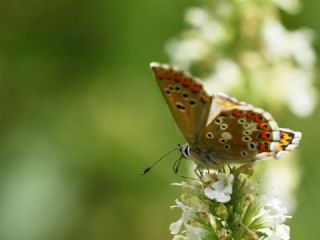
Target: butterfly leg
198,171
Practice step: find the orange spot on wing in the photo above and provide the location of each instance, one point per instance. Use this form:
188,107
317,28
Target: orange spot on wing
266,136
251,115
186,82
263,126
160,75
224,114
170,76
177,77
263,147
196,88
238,114
258,118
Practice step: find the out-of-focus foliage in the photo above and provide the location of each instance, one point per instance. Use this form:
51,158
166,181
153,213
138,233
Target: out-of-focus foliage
81,117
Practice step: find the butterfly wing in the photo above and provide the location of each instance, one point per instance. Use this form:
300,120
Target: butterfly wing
239,133
289,140
187,100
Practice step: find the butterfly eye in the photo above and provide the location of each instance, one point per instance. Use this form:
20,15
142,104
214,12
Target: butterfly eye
224,126
209,135
246,139
171,87
177,88
244,153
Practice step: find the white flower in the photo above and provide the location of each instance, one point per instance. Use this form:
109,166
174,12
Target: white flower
196,16
276,40
280,43
194,233
179,237
287,184
301,95
226,75
279,232
221,189
185,217
184,52
273,212
204,26
301,47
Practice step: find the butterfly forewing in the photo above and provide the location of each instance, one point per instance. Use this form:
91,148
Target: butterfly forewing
187,100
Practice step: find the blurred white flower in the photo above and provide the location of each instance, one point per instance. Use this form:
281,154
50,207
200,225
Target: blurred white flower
284,176
179,237
301,95
274,212
301,47
184,52
276,40
194,233
221,189
187,212
204,26
226,75
225,9
196,16
280,43
279,232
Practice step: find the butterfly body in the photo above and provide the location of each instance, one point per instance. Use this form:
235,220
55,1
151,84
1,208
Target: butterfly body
220,130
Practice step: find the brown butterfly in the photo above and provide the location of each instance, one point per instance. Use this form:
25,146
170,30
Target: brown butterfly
220,130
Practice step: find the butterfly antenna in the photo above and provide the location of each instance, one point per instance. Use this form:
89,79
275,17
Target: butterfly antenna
162,157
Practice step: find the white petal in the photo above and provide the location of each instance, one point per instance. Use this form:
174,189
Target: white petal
210,193
266,231
193,233
283,231
175,227
223,198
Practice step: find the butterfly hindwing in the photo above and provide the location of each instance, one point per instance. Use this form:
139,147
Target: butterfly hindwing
187,100
239,132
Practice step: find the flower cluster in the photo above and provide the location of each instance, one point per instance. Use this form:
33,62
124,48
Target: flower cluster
225,204
237,45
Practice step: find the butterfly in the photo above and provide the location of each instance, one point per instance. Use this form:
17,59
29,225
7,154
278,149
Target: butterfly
219,129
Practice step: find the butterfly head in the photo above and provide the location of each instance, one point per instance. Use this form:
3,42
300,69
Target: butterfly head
185,150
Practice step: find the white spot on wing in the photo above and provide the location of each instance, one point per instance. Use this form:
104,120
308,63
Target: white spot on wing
267,116
226,135
273,125
276,135
273,146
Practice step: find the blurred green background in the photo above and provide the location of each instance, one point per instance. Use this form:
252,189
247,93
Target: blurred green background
81,116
